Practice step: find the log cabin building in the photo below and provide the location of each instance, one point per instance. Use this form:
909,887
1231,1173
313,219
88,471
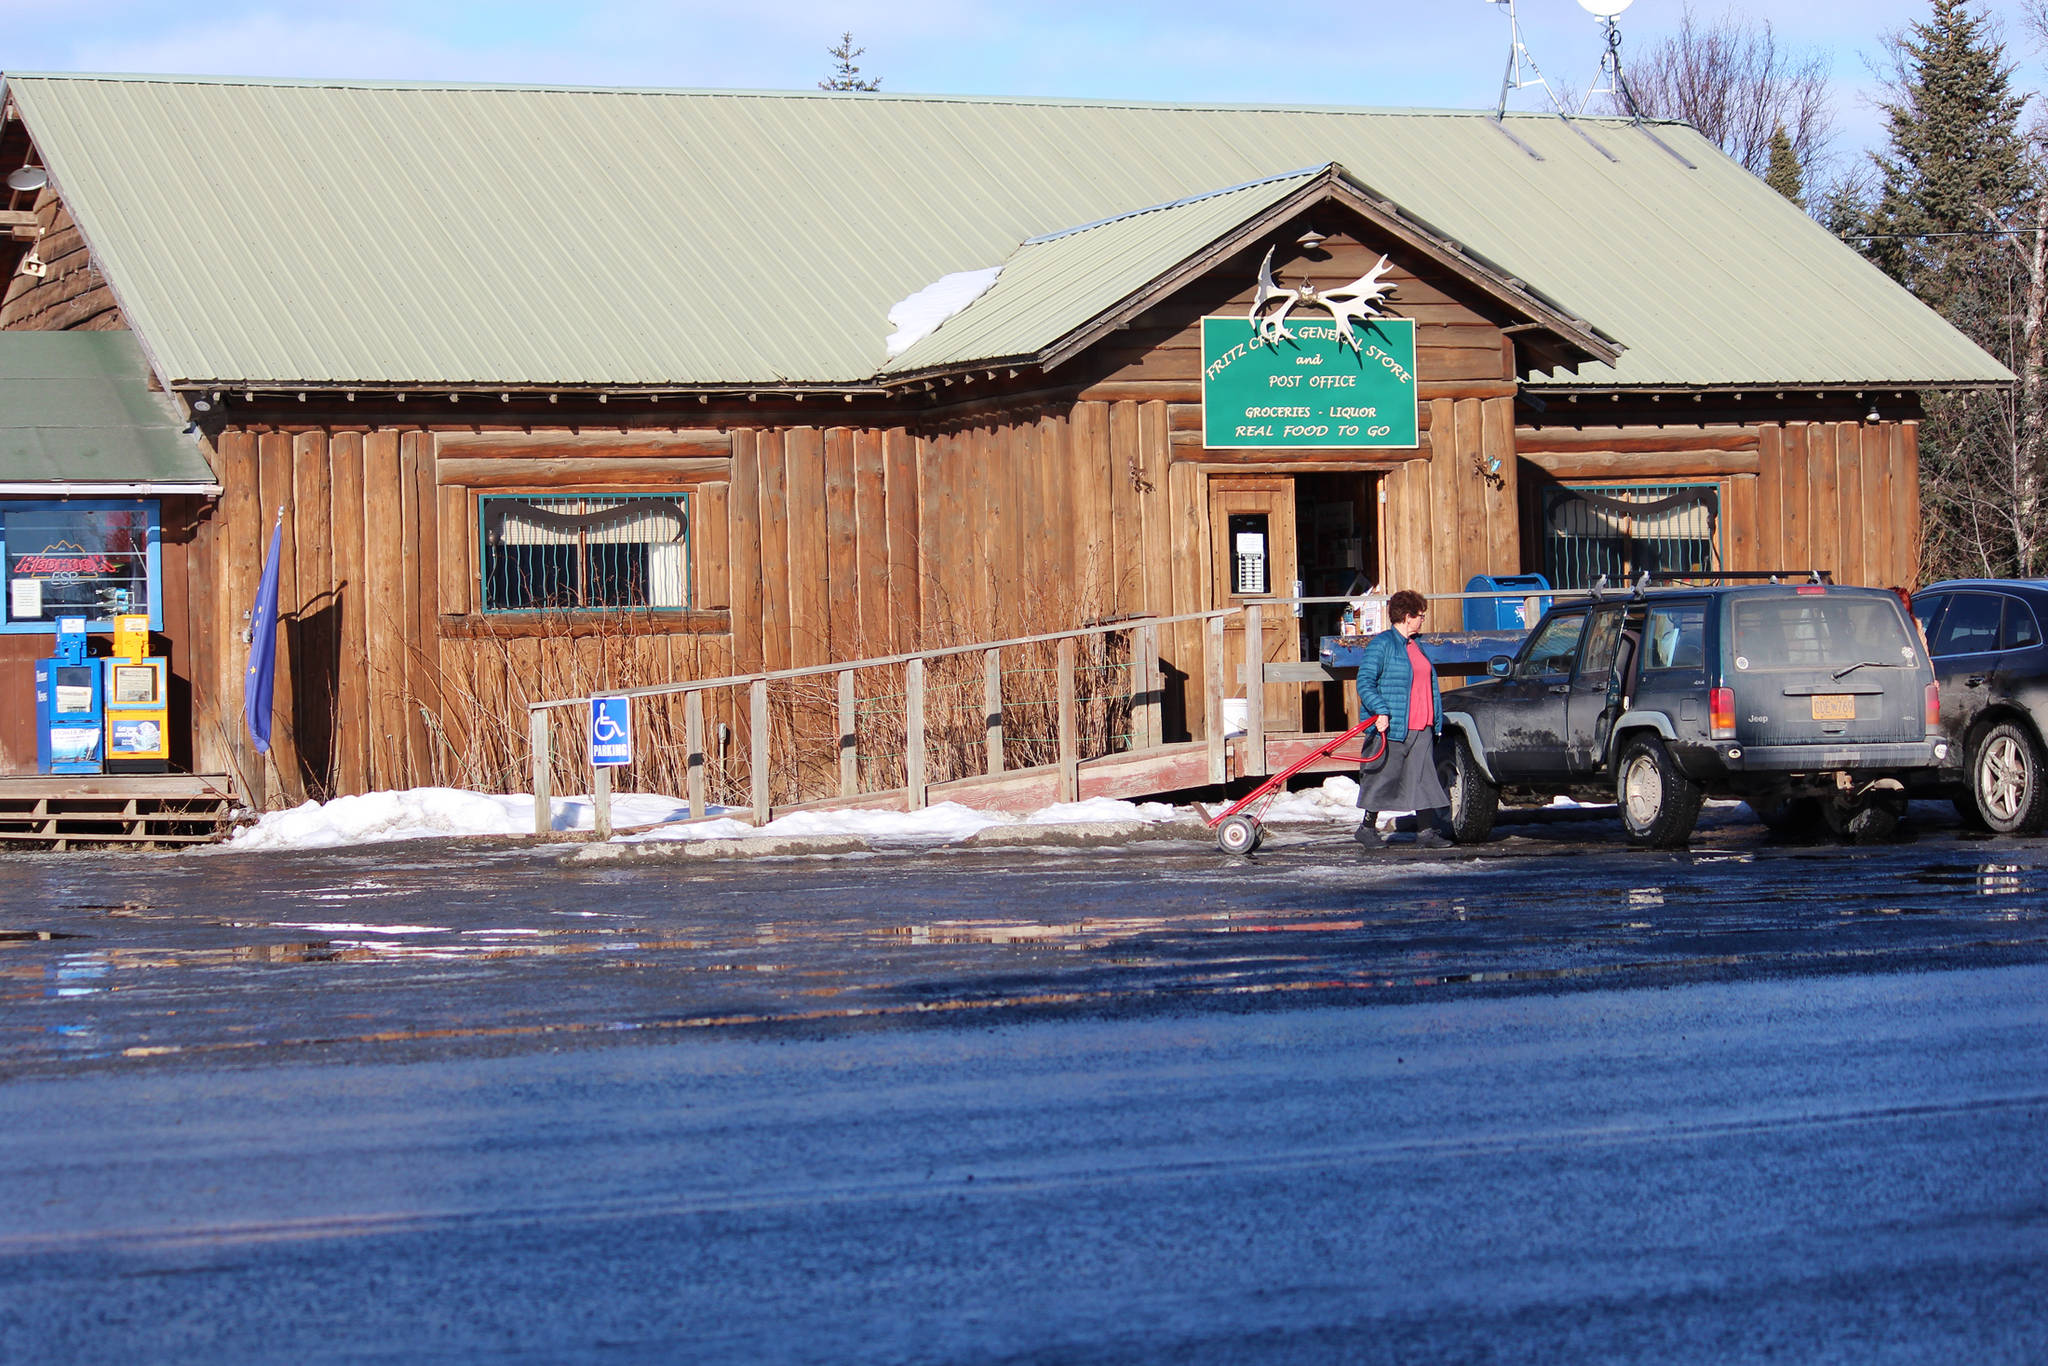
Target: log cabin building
766,380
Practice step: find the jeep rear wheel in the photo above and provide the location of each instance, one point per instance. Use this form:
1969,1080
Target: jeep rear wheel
2007,791
1659,804
1474,800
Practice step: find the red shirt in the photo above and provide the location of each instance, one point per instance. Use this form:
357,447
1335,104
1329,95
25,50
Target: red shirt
1421,701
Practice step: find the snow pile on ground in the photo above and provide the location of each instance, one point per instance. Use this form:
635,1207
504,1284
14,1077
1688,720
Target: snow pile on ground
946,821
441,812
1335,800
918,316
436,812
1104,809
943,822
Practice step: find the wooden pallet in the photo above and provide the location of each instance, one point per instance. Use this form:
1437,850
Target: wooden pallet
146,811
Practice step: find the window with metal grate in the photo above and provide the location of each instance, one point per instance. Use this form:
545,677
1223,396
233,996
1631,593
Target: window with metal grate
1622,531
585,552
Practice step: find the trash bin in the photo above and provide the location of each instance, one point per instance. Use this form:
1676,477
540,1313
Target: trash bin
1506,614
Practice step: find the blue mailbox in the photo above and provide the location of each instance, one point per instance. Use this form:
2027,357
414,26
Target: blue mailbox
70,730
1506,614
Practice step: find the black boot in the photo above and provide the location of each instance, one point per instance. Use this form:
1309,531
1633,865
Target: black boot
1368,832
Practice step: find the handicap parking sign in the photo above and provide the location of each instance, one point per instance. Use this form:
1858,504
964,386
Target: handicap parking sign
611,731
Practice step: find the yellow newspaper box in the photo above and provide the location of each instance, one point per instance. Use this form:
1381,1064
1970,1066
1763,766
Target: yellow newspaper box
138,702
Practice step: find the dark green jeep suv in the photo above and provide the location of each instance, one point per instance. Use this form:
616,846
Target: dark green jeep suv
1802,699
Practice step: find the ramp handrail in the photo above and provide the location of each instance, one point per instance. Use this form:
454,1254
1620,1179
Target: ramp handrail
1145,692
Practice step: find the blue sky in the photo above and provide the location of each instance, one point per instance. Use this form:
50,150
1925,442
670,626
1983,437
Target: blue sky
1445,53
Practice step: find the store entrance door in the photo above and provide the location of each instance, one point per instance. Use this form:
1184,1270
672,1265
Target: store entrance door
1336,518
1252,531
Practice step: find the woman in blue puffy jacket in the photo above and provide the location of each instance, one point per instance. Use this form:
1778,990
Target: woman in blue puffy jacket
1397,683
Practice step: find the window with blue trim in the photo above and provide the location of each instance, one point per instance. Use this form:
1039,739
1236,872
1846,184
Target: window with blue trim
80,557
586,551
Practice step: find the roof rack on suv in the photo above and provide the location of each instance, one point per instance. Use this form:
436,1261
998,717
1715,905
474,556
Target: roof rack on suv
1696,580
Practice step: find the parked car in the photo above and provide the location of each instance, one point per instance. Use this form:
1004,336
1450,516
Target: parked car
1804,700
1992,663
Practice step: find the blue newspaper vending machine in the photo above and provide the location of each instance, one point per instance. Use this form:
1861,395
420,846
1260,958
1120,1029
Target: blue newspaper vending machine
69,725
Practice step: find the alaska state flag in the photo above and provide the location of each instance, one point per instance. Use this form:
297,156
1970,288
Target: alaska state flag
256,684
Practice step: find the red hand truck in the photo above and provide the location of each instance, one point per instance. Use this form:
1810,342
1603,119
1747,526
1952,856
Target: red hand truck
1237,826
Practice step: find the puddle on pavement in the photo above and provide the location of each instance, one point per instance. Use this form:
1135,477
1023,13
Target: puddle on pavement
80,974
697,962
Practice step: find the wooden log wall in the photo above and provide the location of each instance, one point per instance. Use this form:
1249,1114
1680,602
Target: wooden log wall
811,544
1843,496
71,293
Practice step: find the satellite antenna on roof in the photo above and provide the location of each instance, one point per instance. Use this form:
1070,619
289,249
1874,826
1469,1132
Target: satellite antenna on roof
1610,80
1519,62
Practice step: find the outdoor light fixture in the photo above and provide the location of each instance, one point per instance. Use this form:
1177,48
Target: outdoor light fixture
28,178
203,404
1871,416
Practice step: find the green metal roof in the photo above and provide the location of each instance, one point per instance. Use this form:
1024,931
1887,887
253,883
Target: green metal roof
1053,285
76,409
337,233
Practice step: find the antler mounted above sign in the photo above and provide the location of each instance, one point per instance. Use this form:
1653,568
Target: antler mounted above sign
1347,304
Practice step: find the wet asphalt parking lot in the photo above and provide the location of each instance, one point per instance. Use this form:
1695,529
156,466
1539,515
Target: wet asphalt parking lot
1549,1099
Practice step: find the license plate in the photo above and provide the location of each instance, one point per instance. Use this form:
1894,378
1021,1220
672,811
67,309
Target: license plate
1835,706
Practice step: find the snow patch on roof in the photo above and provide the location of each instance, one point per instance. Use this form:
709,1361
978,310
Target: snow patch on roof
1180,203
920,315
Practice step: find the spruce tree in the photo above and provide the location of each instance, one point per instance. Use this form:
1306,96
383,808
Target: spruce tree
1955,164
845,75
1783,174
1953,222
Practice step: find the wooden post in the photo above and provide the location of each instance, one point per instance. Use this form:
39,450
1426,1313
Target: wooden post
1254,690
693,745
849,739
601,798
992,707
913,734
543,771
757,699
1147,729
1070,735
1212,698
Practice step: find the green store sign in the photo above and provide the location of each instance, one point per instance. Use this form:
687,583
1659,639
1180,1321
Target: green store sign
1311,391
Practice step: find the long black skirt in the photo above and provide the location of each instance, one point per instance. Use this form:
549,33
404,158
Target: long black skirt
1407,781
